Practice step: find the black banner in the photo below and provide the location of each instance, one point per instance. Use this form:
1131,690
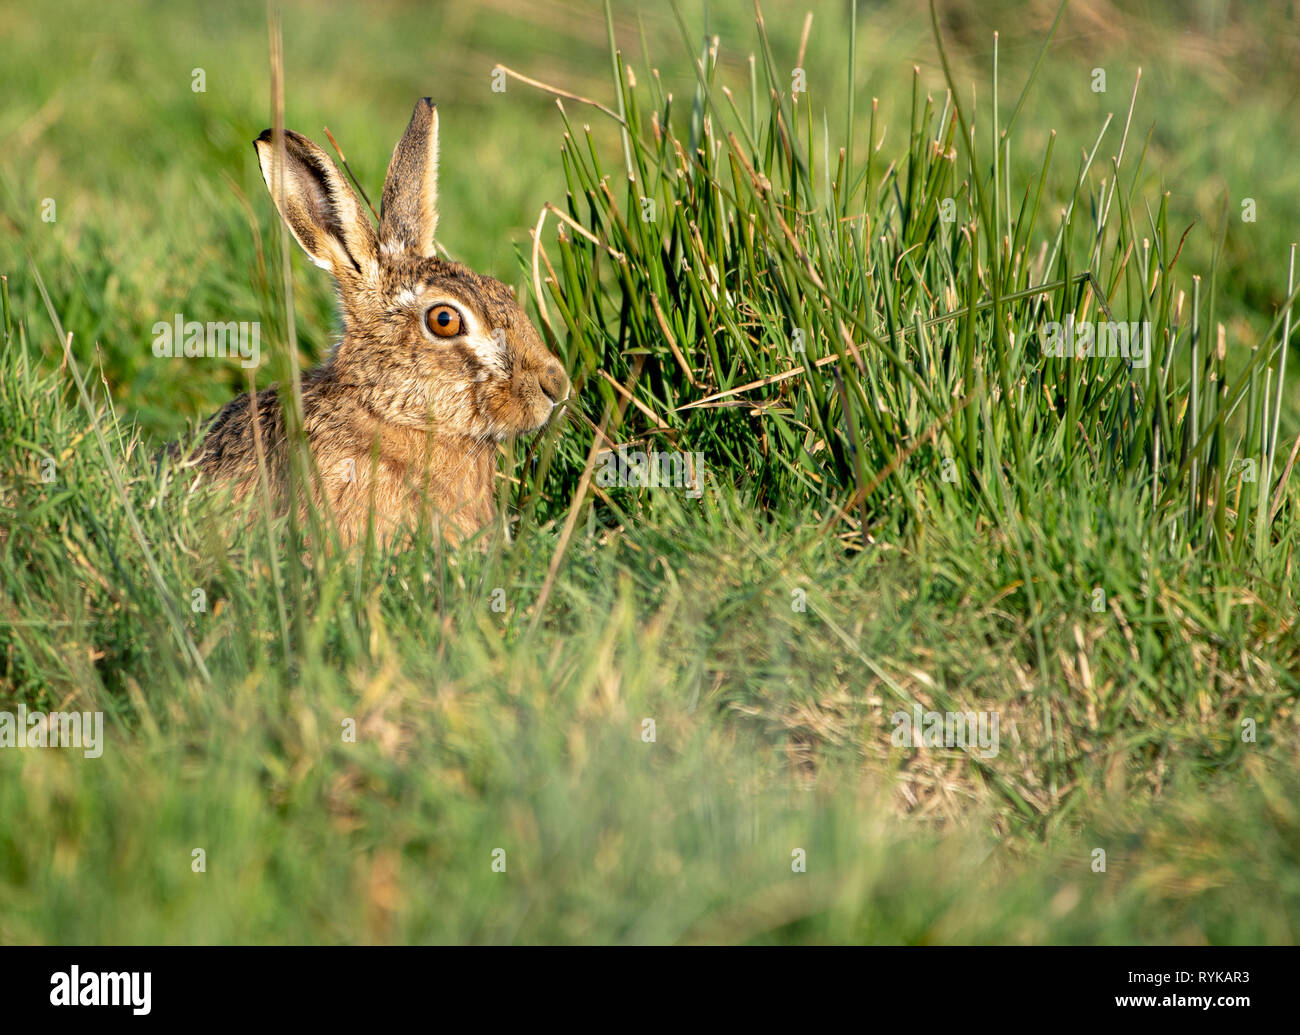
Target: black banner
151,985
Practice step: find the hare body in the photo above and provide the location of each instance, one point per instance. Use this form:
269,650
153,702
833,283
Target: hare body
436,364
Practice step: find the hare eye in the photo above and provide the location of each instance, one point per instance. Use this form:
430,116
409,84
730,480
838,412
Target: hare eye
443,321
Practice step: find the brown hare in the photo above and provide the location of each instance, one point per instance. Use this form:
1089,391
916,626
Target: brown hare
436,363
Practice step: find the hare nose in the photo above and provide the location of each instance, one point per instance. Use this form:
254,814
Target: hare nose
553,381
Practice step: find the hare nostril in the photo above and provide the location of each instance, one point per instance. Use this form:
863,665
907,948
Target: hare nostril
553,381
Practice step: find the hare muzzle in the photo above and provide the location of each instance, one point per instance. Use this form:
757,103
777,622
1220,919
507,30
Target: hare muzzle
554,382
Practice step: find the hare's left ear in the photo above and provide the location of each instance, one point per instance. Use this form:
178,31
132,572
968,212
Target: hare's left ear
319,206
409,212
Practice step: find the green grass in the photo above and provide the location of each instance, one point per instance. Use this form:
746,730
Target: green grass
922,510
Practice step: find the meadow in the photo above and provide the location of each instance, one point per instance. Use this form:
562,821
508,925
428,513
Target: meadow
817,249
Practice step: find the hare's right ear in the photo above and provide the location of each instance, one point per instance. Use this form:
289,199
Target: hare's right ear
319,206
408,214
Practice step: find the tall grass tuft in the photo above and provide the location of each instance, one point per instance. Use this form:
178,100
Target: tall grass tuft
862,332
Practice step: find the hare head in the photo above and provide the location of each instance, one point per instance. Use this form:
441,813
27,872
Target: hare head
435,365
426,343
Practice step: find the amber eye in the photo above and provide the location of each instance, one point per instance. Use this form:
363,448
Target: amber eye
444,321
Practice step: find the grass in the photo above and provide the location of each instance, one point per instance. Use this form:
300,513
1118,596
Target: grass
658,706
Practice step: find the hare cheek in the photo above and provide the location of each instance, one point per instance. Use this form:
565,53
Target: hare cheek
472,369
491,351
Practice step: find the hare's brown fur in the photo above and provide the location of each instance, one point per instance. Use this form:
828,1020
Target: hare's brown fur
399,418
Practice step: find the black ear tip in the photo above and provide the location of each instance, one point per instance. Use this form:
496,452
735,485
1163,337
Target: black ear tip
264,137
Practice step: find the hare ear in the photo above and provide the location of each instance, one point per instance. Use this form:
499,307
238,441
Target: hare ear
409,212
318,205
